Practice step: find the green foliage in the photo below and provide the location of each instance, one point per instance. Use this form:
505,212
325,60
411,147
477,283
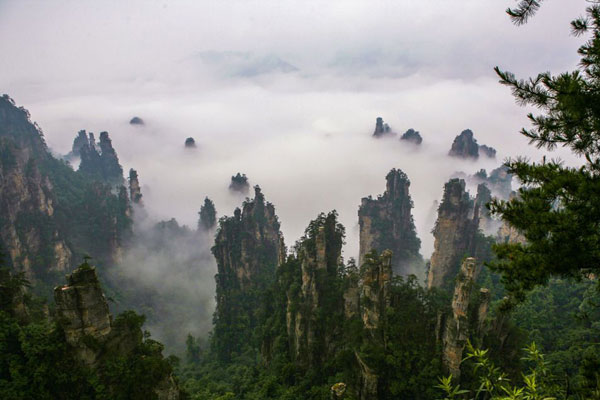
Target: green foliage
535,384
558,208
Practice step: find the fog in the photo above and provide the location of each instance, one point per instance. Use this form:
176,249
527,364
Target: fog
286,92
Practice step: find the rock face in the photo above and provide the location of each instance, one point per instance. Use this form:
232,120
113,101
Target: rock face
82,312
51,215
412,136
135,192
248,247
376,278
239,183
382,129
80,141
465,146
82,308
208,216
484,196
99,160
499,181
456,332
190,143
387,223
454,233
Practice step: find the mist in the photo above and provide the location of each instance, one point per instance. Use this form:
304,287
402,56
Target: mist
285,92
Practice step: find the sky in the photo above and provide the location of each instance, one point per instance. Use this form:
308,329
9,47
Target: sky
284,91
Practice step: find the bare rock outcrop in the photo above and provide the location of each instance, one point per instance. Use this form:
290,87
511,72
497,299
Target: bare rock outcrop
465,146
382,129
387,223
82,310
376,278
454,233
135,191
456,332
83,314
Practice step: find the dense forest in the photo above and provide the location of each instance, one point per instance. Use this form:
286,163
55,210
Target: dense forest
506,307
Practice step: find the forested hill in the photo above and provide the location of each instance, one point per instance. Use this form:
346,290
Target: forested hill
50,215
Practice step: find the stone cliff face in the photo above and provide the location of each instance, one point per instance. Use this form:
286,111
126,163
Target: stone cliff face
99,160
382,129
376,278
311,336
454,233
50,215
387,223
135,192
27,199
82,312
484,196
465,146
456,332
248,247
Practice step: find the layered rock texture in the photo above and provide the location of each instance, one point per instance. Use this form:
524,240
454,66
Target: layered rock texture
52,215
465,146
82,312
387,223
456,332
412,136
311,309
455,234
135,191
239,183
382,129
248,247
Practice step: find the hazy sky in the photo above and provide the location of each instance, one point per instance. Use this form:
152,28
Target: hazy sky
284,91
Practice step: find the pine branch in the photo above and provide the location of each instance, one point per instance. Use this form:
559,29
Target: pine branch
524,10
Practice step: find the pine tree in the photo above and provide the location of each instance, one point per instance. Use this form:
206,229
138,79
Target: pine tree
558,208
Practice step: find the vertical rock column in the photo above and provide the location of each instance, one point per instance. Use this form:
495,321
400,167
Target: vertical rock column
457,325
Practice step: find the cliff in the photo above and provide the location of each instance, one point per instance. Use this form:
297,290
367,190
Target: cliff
248,247
455,234
484,196
465,146
412,136
456,332
135,192
313,309
96,340
99,160
387,223
51,215
382,129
